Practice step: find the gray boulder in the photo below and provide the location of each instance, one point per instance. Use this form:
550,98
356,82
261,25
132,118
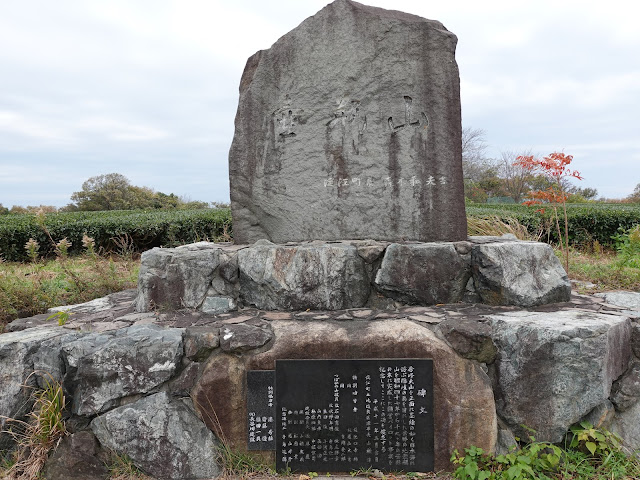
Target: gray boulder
199,342
241,338
186,277
602,415
103,368
626,425
518,273
329,276
635,339
76,458
552,369
349,127
17,352
470,337
423,273
626,390
162,436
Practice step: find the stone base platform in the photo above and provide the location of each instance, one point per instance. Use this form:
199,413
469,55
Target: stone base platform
216,278
178,377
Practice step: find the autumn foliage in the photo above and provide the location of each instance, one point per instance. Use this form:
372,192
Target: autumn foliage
555,167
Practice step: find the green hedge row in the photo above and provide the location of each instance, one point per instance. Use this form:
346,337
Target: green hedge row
587,222
141,229
154,228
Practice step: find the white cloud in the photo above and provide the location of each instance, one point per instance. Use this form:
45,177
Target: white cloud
30,129
140,87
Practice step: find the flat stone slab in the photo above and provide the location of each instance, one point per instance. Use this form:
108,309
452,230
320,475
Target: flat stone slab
622,298
187,318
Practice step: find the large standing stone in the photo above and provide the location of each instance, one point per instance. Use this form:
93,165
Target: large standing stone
464,405
552,369
329,276
348,127
162,436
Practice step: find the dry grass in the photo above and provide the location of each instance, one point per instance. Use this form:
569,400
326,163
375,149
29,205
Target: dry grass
496,226
29,289
121,467
39,434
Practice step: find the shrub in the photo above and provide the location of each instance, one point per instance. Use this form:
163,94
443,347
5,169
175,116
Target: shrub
145,229
628,246
587,222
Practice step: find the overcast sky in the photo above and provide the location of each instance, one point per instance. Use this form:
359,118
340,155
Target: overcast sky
149,88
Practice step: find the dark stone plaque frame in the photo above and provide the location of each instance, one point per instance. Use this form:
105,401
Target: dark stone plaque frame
343,415
261,409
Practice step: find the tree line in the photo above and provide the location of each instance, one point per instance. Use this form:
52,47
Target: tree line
494,180
503,180
114,191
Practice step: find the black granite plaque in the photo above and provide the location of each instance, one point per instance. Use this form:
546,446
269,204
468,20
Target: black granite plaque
343,415
261,409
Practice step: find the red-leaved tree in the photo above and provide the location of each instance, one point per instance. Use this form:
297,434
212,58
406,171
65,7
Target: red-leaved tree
555,167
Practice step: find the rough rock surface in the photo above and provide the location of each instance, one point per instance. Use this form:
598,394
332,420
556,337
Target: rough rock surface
635,339
76,458
626,390
206,369
218,278
102,368
465,410
424,273
327,276
162,436
470,337
602,415
349,127
242,338
186,276
518,273
627,425
17,351
84,315
199,342
552,369
630,300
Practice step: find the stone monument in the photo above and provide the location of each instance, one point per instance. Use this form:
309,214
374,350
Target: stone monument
349,127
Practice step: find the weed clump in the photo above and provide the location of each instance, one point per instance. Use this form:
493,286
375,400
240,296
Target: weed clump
587,453
39,434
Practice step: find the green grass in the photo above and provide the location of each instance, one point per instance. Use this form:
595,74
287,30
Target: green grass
588,453
603,269
31,288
